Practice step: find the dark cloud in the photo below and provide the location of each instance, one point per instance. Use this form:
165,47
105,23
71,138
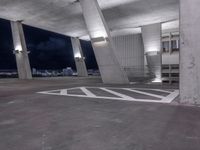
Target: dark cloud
52,44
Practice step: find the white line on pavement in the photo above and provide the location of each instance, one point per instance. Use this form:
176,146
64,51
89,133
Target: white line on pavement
87,92
144,93
63,92
117,94
171,96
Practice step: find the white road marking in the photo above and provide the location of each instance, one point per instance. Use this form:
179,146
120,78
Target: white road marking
119,96
101,97
52,91
144,93
87,92
171,97
63,92
160,90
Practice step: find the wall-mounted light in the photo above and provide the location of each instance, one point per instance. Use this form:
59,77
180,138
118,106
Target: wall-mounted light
157,80
99,40
152,53
77,55
18,48
19,51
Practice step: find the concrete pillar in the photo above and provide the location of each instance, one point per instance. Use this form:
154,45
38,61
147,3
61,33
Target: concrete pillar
79,58
110,69
152,46
20,50
189,52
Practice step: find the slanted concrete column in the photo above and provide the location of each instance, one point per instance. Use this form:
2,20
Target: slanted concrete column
110,69
152,46
190,52
79,58
20,50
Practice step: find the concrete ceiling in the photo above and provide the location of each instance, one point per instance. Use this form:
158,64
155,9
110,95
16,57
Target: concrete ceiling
65,16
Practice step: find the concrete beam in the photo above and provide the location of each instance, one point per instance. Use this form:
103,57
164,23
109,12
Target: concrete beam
189,52
20,50
152,45
110,69
79,58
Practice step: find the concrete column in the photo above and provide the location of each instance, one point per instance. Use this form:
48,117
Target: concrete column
20,50
110,69
152,46
79,58
189,52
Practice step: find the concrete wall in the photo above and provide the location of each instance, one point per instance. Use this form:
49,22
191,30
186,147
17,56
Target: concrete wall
130,54
170,58
190,51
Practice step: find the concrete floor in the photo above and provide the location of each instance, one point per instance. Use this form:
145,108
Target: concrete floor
33,121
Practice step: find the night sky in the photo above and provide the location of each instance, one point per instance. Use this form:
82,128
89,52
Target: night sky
48,50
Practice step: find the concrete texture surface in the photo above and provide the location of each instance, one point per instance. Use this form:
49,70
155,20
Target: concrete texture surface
21,52
65,16
190,54
102,43
79,58
129,51
152,49
31,121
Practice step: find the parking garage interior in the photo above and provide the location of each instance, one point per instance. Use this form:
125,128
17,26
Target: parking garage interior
99,75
